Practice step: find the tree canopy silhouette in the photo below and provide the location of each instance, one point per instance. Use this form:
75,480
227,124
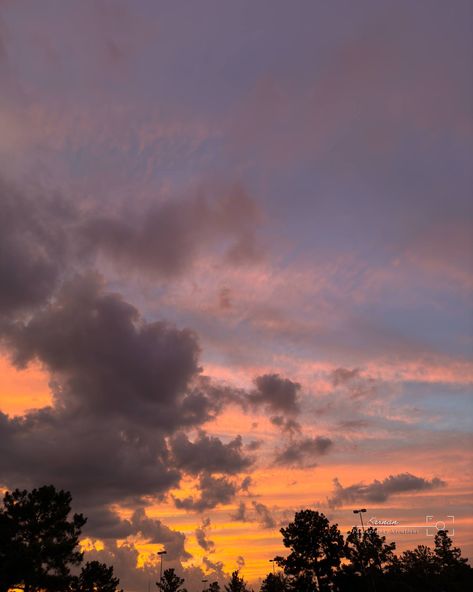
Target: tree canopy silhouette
170,582
39,546
38,540
96,577
236,584
316,550
275,583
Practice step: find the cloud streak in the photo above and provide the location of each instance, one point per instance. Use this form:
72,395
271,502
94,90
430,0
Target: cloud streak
380,491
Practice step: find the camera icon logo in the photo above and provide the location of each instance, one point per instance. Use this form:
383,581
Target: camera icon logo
433,525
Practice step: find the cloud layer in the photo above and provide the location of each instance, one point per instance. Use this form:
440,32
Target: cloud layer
380,491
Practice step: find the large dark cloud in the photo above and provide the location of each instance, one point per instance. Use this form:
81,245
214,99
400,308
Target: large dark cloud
105,359
99,459
43,237
122,388
303,453
380,491
208,453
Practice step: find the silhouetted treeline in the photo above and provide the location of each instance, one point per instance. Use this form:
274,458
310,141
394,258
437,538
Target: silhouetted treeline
39,544
320,559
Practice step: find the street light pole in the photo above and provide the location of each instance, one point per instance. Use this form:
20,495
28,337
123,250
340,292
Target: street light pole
204,582
272,561
161,553
361,512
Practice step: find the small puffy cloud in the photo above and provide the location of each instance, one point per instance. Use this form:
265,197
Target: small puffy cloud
380,491
353,384
260,513
303,453
246,483
279,395
286,424
341,376
215,567
254,445
201,533
263,515
240,515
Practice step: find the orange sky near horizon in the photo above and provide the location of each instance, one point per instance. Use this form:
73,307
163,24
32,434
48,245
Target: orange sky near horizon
283,490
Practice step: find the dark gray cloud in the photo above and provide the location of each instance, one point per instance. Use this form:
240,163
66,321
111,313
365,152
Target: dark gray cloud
214,491
208,453
216,568
104,524
42,237
286,424
260,513
380,491
201,534
124,558
303,453
122,387
166,238
246,483
341,376
263,515
353,384
280,395
154,531
105,359
33,248
100,460
254,445
240,515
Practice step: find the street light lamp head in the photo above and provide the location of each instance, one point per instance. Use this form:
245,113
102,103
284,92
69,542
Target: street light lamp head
162,553
363,510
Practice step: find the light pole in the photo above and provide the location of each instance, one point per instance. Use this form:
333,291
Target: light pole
373,585
204,582
161,553
272,561
361,512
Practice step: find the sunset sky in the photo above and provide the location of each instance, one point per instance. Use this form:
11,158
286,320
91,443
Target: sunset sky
235,270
